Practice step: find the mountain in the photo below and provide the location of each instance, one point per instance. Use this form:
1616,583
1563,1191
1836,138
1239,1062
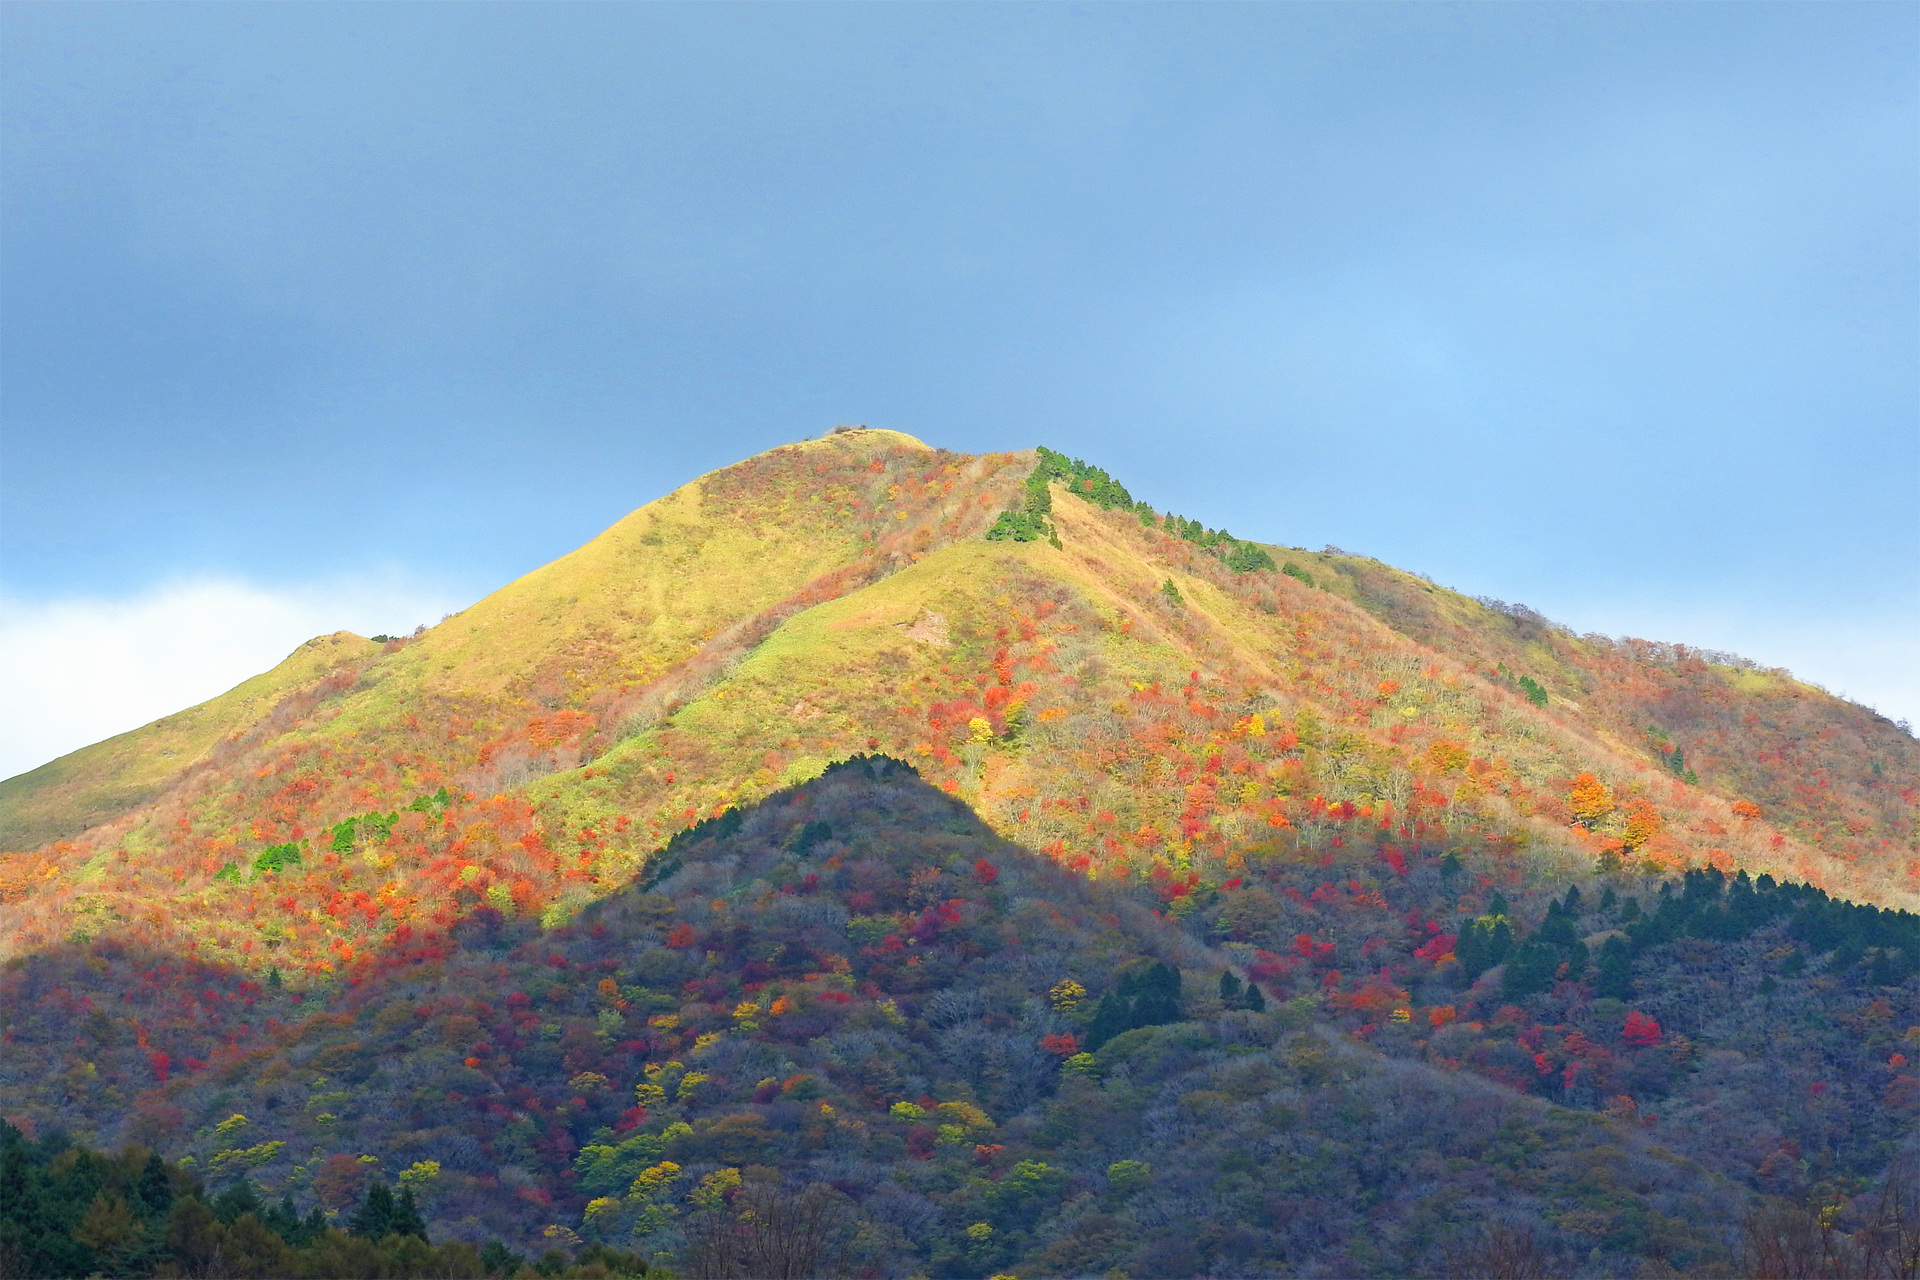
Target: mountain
98,783
1097,699
972,1060
850,764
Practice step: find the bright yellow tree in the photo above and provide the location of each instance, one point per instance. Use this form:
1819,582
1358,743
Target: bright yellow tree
1643,823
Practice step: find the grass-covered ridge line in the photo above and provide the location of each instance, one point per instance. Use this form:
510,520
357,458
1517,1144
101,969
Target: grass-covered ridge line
1027,522
101,782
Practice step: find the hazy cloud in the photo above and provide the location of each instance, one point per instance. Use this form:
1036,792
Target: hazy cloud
83,669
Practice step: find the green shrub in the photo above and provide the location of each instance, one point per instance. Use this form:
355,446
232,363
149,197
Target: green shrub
1246,557
277,858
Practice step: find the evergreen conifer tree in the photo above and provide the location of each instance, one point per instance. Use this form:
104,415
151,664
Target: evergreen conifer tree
1470,950
1531,968
154,1191
406,1216
374,1220
238,1199
1146,995
1499,940
1615,979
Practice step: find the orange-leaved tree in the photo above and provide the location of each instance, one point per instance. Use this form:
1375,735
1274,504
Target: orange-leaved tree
1589,800
1643,823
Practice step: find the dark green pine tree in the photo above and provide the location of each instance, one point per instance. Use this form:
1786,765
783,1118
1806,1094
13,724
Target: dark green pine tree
1499,940
1577,957
1470,949
153,1193
374,1220
500,1260
283,1220
1256,1001
1557,929
1615,979
1147,995
1156,995
406,1216
34,1241
240,1198
1229,989
1531,968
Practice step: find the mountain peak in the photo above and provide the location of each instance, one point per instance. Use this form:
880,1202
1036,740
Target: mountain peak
1130,690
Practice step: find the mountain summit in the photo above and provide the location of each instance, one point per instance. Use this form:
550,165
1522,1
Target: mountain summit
1127,690
1001,876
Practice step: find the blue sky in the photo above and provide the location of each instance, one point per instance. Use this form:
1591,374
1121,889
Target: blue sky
343,315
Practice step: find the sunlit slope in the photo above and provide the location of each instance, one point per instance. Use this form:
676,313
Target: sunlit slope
100,782
1126,701
652,590
1829,771
543,675
1083,709
671,577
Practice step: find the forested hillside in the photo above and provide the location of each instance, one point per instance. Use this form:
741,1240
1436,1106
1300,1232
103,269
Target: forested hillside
983,1062
1001,875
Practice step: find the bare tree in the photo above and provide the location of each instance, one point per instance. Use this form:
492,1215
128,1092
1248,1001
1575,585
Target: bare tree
1889,1244
1788,1241
768,1233
1504,1253
1804,1240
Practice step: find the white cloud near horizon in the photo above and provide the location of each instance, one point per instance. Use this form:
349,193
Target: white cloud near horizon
86,668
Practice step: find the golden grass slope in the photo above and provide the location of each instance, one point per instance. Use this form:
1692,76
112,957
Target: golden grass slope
1124,702
1830,772
1093,755
543,675
662,582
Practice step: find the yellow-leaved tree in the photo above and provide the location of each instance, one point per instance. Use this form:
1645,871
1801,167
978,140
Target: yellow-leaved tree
1589,800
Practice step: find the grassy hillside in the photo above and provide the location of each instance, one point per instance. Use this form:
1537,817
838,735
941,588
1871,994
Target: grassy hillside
1131,693
576,899
103,781
1830,772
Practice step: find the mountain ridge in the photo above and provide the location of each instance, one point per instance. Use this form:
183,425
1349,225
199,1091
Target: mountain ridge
594,706
1050,884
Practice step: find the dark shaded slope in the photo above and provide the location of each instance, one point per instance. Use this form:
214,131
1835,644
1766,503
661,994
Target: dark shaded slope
859,986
